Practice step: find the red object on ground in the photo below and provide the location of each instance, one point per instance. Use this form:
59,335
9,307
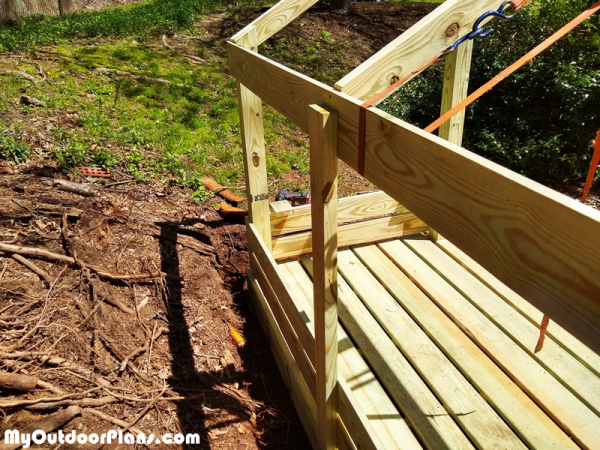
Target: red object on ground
94,172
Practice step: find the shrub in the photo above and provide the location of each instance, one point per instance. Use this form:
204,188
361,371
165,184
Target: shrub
538,122
13,149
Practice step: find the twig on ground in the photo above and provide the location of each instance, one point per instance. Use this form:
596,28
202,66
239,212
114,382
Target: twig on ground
15,403
84,403
35,269
144,411
123,357
3,270
113,420
18,73
66,238
170,47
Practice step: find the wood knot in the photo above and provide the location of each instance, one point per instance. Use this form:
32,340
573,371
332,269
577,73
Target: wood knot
255,159
394,79
452,29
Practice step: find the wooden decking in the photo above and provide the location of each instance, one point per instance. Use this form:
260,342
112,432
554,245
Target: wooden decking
440,354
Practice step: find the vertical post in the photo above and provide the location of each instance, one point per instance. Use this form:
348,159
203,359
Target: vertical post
456,84
322,125
253,144
9,11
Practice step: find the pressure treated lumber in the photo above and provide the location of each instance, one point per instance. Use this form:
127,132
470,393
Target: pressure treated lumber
274,20
481,423
385,419
303,401
554,398
323,187
280,287
416,46
534,315
513,227
350,209
532,425
253,145
356,233
300,357
576,377
428,417
360,432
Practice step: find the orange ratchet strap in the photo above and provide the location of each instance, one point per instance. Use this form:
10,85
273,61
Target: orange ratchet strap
593,167
513,67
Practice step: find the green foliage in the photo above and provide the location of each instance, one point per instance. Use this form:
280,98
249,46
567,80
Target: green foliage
540,121
13,149
153,16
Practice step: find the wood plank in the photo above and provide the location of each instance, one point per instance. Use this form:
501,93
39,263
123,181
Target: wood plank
575,376
304,403
481,423
428,417
413,48
354,420
280,287
300,357
555,399
384,417
350,209
253,146
356,233
514,227
323,187
559,334
533,426
274,19
457,68
281,208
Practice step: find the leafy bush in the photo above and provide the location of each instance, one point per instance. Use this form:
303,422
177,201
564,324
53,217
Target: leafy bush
161,16
13,149
540,121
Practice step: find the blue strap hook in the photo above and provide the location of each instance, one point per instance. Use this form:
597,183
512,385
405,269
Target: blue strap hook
478,31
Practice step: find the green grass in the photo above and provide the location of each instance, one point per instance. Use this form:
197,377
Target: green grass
142,19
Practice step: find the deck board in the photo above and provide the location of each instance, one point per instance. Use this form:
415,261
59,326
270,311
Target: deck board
551,395
531,424
429,418
560,335
567,369
391,428
469,409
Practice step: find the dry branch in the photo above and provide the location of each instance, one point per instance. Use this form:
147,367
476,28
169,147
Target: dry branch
123,357
17,382
40,356
46,424
35,269
21,74
192,57
84,403
15,403
113,420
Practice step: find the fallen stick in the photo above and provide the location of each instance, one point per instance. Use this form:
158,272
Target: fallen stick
113,420
194,58
15,403
46,424
75,188
45,385
122,356
84,403
144,411
21,74
31,251
212,185
142,349
187,241
17,382
35,269
28,356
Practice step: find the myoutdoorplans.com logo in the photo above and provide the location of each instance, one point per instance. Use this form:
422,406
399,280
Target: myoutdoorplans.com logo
41,437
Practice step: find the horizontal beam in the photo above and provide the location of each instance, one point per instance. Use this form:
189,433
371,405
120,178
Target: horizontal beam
540,243
299,244
350,209
415,47
276,18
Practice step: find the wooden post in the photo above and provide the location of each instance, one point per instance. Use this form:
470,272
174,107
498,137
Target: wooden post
456,84
253,144
64,7
323,183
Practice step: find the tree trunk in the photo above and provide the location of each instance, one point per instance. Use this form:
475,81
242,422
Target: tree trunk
64,6
9,11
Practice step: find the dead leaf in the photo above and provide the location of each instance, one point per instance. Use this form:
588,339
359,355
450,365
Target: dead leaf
163,373
214,434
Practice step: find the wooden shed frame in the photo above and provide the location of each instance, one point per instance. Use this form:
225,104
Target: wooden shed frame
539,243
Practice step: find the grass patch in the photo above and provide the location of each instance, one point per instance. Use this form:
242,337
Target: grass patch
141,19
